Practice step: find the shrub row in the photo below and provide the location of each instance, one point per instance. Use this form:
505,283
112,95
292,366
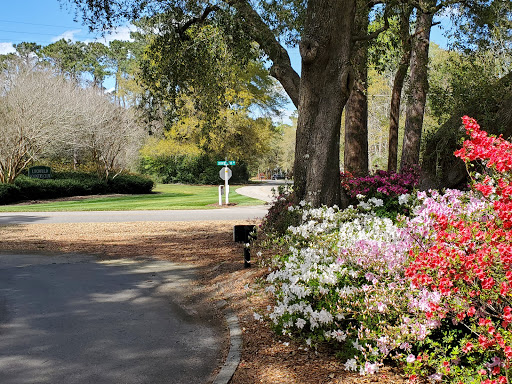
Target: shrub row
65,184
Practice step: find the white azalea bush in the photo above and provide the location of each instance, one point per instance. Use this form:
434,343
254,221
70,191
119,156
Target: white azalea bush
340,279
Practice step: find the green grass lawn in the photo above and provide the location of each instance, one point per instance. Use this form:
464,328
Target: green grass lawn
165,196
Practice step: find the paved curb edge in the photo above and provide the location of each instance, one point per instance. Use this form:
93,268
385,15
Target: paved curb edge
234,355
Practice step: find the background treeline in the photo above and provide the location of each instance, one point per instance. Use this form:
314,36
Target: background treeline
179,100
56,111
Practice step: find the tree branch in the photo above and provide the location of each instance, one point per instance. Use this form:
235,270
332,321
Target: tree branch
181,29
281,69
376,33
433,9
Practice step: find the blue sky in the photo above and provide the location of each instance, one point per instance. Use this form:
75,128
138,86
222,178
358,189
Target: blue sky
43,22
46,21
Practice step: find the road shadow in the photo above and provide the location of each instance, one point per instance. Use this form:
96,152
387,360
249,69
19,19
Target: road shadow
20,219
111,322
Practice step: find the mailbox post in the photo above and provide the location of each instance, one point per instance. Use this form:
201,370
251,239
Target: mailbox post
244,234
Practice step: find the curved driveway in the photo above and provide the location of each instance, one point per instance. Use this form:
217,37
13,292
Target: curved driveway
75,320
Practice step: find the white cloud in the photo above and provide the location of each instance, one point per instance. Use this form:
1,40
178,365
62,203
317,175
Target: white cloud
6,48
121,33
68,35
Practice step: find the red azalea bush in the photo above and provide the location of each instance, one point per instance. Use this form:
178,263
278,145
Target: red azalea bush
470,266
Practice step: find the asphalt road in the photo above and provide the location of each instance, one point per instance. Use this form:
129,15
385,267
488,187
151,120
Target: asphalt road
74,320
231,213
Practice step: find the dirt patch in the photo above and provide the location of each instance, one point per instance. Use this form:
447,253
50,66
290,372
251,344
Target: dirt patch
266,357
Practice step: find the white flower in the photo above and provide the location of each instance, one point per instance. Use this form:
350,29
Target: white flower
411,358
364,205
325,317
403,199
370,368
257,316
351,365
300,323
376,202
356,345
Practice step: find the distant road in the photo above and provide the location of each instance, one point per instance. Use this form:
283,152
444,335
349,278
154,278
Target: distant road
231,213
264,191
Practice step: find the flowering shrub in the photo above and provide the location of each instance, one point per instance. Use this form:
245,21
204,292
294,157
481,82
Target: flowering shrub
385,186
341,281
278,217
382,183
334,284
432,290
468,264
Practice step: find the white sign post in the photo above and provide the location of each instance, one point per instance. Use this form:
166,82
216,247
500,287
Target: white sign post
225,174
220,194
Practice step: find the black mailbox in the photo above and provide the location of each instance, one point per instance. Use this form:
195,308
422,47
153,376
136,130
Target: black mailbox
244,234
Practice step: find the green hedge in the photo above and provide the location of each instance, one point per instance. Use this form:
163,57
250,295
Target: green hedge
189,169
66,184
9,193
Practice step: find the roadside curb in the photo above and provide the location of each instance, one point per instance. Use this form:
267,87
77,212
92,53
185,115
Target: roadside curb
235,346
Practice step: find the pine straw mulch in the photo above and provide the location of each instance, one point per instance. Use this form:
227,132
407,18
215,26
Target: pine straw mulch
266,357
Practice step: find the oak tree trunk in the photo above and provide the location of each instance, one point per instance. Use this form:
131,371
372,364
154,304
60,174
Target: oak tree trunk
325,86
418,92
396,93
356,110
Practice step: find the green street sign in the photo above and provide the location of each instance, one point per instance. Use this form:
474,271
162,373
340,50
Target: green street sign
230,162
